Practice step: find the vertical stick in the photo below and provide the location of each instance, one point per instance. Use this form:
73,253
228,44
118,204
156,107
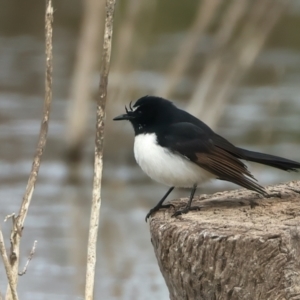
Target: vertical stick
98,165
18,222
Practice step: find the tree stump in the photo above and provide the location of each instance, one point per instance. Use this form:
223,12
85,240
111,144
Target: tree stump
228,250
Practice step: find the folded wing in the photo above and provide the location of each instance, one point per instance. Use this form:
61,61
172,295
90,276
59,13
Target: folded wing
200,147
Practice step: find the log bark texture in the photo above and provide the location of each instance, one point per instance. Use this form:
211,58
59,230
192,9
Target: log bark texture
229,250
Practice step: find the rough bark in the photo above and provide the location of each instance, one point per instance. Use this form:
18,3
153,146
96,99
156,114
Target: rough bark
18,222
229,250
99,146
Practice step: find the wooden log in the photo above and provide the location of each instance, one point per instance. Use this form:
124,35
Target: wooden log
229,250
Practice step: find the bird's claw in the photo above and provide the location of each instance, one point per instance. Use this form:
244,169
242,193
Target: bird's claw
185,210
274,194
157,208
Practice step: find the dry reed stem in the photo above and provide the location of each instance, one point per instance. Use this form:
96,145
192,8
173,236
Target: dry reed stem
218,80
98,164
202,96
205,15
126,34
8,268
18,222
249,46
125,40
86,64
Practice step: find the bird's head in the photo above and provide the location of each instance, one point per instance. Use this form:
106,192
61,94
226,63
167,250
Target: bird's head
148,113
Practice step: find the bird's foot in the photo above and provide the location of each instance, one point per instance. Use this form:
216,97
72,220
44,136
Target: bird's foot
274,194
185,210
157,208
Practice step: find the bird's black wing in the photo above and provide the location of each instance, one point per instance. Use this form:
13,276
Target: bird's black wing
261,158
197,145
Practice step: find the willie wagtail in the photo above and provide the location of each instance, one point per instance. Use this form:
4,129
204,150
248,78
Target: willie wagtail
177,149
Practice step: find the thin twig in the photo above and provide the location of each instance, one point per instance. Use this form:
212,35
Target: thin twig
98,164
8,268
9,216
28,259
18,222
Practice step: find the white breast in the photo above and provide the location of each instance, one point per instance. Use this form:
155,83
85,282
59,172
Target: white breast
166,167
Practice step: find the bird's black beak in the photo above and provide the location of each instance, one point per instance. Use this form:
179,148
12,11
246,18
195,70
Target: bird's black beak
128,116
123,117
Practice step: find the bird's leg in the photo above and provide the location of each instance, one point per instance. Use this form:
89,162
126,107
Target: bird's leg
188,207
160,204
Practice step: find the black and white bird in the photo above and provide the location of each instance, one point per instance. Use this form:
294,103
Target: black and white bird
177,149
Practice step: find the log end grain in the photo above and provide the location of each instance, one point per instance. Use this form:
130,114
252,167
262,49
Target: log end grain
229,250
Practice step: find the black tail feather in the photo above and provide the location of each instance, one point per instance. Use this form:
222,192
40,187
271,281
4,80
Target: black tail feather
270,160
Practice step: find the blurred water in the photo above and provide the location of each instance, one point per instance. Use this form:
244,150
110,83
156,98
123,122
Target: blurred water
59,213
